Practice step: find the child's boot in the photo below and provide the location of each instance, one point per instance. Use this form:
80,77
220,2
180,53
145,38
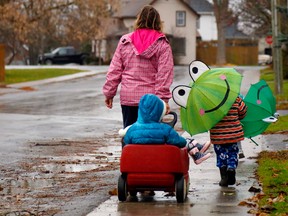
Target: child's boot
224,177
197,156
241,154
231,179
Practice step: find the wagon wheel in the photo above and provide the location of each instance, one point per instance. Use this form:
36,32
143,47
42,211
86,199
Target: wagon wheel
181,189
122,188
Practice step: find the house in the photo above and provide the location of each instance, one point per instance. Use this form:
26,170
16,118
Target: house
179,21
206,24
191,28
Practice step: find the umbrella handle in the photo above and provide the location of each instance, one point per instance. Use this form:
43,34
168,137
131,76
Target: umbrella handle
254,141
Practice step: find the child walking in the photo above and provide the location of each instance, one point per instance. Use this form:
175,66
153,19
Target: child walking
149,130
225,135
142,63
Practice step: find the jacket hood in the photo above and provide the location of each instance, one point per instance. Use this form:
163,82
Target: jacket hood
144,38
151,109
144,41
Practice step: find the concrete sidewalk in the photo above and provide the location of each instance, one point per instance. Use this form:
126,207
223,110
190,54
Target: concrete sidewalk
205,196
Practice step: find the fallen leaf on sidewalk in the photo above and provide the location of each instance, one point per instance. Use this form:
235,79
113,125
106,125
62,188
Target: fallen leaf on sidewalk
27,88
113,192
247,203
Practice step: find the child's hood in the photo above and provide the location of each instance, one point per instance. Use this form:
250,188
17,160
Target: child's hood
143,41
151,109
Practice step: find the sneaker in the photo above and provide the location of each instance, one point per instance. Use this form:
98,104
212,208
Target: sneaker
203,148
199,157
191,143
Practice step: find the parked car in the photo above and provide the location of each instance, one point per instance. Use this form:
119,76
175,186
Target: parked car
264,59
63,55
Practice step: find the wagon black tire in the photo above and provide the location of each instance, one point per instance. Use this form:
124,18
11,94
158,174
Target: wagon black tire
122,189
181,189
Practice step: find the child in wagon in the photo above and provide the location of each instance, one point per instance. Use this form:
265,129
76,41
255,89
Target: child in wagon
148,129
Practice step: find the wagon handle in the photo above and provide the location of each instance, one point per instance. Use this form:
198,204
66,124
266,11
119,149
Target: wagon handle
173,121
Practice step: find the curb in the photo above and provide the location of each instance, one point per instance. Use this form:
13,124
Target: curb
13,88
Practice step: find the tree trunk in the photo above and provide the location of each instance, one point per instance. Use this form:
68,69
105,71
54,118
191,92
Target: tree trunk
2,65
98,51
220,12
221,45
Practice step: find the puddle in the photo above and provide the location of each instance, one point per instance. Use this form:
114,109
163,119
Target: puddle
22,185
71,168
60,175
86,162
48,171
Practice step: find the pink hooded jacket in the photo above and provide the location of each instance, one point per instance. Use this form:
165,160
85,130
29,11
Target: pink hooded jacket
142,63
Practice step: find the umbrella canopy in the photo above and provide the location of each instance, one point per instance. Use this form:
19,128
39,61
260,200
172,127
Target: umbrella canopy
208,99
261,109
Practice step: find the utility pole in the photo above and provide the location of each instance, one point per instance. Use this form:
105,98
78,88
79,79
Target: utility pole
277,52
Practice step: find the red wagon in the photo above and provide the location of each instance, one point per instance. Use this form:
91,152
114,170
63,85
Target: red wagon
153,167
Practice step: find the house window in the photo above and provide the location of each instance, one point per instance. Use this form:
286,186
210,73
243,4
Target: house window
180,18
179,46
198,23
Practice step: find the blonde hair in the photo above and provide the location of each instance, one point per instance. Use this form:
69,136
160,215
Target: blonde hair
148,18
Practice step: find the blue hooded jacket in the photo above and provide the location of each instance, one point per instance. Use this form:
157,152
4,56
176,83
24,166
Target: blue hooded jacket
148,129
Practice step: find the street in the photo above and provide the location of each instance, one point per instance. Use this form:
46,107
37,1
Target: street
60,149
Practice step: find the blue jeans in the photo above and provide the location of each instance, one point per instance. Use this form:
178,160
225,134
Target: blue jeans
227,155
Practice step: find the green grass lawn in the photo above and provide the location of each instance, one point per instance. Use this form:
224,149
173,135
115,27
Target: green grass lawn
282,102
282,99
13,76
278,127
273,175
272,171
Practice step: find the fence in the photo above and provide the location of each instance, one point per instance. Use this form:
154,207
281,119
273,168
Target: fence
238,52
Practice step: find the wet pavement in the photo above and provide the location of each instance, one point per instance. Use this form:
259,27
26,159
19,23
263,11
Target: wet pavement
205,196
64,160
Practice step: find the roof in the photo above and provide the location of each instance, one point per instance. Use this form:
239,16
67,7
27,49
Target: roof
201,6
232,32
131,8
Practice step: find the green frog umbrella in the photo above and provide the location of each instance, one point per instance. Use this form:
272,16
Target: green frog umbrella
208,98
261,110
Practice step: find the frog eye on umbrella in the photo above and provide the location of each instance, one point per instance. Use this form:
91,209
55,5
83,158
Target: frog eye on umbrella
180,95
196,68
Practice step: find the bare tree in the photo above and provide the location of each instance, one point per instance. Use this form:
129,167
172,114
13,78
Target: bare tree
38,25
255,17
223,15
